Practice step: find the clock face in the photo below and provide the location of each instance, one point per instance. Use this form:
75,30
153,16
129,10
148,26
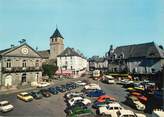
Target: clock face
24,51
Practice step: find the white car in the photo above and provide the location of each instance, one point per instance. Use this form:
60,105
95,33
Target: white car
79,99
128,113
110,109
5,106
73,94
43,84
80,83
92,86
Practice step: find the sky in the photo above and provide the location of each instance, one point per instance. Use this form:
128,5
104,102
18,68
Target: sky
88,25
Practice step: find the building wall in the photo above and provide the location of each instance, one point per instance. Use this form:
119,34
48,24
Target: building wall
17,77
73,63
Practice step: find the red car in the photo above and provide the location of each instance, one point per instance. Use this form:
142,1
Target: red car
142,98
105,98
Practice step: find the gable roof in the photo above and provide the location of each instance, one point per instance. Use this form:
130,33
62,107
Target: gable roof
8,50
44,54
147,50
56,34
70,52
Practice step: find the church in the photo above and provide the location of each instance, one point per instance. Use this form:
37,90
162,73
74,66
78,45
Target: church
69,61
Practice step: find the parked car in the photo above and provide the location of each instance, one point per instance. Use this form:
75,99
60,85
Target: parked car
53,90
60,89
45,92
79,112
95,93
43,84
80,83
36,95
25,96
111,109
134,102
143,99
92,86
106,98
109,79
74,100
96,104
5,106
70,95
69,109
128,113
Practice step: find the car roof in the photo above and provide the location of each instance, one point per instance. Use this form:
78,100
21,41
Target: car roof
126,112
4,102
106,96
114,104
23,93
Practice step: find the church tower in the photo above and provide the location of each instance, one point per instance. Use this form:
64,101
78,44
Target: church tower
56,44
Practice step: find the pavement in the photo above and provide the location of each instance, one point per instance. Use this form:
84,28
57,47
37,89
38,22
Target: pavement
54,106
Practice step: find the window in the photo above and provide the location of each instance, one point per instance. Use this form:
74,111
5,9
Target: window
71,67
37,63
24,63
8,63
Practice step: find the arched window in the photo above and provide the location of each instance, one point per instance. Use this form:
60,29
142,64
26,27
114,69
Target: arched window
122,55
8,65
115,56
24,63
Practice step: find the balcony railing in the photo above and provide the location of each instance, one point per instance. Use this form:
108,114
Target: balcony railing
21,69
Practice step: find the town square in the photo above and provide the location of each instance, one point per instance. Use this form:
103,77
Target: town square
97,58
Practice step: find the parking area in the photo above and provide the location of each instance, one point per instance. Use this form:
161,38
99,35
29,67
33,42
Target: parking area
54,106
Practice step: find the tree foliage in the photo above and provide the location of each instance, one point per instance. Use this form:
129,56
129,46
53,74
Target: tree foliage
49,70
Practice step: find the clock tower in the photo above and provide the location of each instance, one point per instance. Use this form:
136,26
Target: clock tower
56,44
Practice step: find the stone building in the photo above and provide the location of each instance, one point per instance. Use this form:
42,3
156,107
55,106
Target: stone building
146,58
98,63
19,65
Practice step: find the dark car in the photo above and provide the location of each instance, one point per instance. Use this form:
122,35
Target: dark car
96,105
76,105
95,93
45,92
36,95
127,85
53,90
60,89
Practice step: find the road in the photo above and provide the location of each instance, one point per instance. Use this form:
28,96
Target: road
54,106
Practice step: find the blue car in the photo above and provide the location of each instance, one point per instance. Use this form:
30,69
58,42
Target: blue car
53,90
95,93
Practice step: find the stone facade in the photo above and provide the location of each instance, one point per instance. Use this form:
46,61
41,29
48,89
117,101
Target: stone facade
56,45
146,58
20,65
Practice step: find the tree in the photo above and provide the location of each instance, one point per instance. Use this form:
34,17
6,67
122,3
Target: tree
49,70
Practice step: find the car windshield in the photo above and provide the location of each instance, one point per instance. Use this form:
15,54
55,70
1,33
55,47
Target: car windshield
5,104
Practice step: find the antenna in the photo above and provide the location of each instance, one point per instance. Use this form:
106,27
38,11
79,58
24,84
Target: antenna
56,26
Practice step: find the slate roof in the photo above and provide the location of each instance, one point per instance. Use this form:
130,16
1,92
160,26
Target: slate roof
56,34
70,52
147,50
44,53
